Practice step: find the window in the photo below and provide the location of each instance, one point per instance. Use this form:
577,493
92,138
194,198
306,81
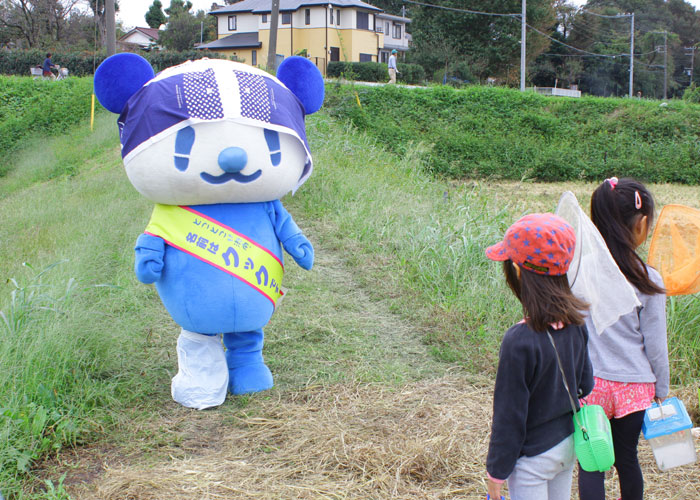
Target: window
385,57
331,16
264,18
337,17
307,16
397,31
254,58
386,28
287,18
362,21
232,23
365,57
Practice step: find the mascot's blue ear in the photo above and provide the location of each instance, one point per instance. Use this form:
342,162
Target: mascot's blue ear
119,77
302,77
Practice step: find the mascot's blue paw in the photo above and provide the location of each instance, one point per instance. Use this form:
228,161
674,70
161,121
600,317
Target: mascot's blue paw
301,250
249,378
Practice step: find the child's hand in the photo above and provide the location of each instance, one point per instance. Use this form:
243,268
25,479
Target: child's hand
494,490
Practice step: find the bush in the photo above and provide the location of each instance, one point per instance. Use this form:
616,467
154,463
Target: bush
692,94
503,133
28,106
410,73
375,72
18,62
364,71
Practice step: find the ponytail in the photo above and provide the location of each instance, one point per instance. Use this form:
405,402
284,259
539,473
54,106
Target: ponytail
616,206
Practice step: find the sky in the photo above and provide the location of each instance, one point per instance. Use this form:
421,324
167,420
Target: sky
131,12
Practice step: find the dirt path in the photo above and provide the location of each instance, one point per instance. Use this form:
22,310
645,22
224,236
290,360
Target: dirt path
378,419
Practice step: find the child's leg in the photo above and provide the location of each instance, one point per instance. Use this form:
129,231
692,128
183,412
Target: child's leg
546,476
591,485
625,432
560,485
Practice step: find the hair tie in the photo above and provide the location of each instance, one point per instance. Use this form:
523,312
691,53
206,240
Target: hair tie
612,181
637,200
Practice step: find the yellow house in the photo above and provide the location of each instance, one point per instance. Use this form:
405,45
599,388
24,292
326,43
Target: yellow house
339,30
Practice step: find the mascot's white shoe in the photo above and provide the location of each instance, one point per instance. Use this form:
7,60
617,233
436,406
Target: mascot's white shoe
202,378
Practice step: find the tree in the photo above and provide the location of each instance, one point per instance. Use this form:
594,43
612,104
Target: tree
182,31
35,22
155,16
490,45
178,7
610,36
98,9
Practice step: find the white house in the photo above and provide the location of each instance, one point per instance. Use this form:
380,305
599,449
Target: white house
145,38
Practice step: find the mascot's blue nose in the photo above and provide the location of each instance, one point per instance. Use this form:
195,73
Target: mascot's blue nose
233,160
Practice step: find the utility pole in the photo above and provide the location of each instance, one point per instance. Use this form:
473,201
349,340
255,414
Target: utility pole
632,56
110,31
272,47
665,64
523,26
692,61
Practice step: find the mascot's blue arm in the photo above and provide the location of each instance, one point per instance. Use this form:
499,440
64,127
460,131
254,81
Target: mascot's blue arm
148,264
293,240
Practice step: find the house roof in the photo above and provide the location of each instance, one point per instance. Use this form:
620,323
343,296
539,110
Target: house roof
235,41
264,6
152,33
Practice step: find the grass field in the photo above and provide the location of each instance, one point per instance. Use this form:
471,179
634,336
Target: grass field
382,354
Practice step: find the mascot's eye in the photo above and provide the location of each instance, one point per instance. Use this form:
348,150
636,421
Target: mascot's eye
273,143
183,146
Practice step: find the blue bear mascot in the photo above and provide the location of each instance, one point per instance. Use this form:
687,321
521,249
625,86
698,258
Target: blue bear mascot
215,144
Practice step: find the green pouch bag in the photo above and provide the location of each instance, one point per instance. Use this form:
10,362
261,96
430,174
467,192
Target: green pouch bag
593,439
592,434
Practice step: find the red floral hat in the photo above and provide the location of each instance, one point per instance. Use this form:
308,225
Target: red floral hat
541,243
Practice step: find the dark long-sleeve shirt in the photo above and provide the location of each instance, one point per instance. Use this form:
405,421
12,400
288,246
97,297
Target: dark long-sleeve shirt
531,409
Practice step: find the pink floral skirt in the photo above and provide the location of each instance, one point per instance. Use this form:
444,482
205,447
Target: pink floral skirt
619,399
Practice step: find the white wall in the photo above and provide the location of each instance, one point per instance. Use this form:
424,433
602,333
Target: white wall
245,23
138,38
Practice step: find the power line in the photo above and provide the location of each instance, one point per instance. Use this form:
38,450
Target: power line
575,48
603,15
594,55
468,11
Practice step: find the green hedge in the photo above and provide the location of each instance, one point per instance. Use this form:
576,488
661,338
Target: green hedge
503,133
692,94
18,62
28,106
375,72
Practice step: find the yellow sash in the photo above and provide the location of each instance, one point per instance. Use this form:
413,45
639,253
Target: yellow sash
219,245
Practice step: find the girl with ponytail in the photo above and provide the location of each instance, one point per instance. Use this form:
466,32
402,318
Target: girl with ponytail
630,357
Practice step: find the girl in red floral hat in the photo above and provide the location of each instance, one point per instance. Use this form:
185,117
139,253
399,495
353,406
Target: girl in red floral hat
532,444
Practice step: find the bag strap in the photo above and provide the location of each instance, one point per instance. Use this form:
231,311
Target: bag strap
566,385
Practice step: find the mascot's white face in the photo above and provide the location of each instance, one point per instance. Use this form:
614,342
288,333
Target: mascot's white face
214,131
218,162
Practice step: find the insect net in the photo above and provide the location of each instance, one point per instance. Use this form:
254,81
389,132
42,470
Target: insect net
593,274
675,249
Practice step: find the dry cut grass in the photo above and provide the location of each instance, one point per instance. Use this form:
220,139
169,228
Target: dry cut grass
426,440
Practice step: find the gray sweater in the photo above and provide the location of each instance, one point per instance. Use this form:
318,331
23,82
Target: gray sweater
634,349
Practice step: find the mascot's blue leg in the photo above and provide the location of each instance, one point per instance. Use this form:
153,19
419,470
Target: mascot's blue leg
246,368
